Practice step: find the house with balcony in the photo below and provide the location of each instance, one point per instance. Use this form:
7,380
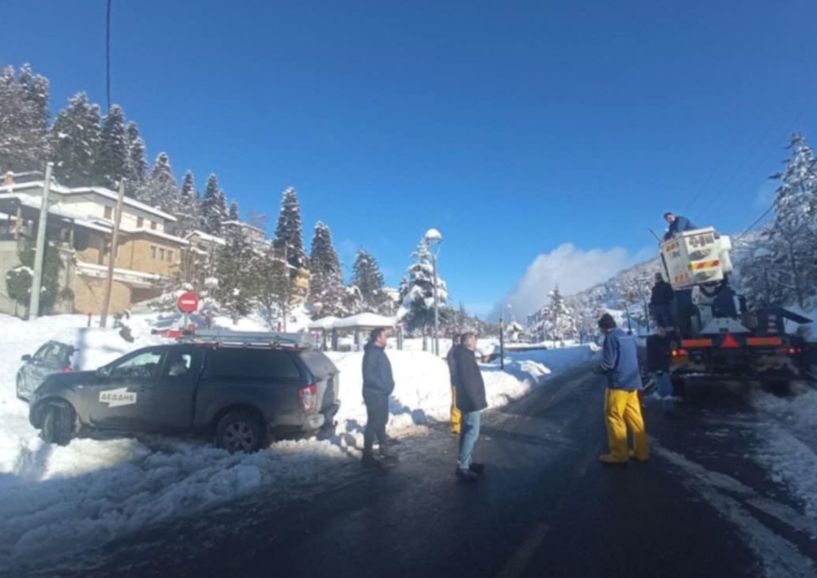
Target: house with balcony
80,225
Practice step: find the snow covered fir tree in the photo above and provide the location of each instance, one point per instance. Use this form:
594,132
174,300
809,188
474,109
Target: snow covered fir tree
417,292
776,265
326,291
289,231
367,280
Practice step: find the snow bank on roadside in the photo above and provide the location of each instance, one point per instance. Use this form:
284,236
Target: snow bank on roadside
790,452
55,501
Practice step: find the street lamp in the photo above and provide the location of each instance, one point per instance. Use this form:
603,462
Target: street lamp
434,237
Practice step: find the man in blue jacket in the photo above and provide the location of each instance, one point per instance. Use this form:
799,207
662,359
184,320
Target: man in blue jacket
677,224
622,408
378,384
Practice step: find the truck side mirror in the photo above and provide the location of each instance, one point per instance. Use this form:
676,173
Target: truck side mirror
26,357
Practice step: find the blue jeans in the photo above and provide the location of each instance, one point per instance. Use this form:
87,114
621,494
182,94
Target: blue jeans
663,383
468,438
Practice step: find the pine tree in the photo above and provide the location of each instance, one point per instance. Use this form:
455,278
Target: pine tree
160,189
274,288
190,214
213,207
112,162
326,289
75,138
558,320
417,292
35,93
137,160
238,282
23,120
368,279
794,231
289,232
234,215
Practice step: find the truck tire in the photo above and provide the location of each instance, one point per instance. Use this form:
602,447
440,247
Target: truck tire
240,431
58,423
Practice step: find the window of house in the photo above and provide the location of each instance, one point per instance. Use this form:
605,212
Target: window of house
152,252
140,222
108,212
170,255
153,225
161,254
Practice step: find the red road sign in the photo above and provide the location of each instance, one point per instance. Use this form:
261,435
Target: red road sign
188,302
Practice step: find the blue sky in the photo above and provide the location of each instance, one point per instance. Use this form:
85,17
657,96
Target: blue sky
513,127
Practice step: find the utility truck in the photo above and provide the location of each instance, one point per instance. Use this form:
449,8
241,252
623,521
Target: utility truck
720,337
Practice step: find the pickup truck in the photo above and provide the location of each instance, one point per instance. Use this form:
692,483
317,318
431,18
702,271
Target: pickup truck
241,396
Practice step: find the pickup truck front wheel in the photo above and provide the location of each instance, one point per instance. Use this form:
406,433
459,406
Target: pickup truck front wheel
240,431
58,423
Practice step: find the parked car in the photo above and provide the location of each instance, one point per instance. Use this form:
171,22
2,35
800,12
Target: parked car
52,357
241,395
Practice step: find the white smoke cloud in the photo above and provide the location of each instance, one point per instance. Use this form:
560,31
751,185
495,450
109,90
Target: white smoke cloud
570,268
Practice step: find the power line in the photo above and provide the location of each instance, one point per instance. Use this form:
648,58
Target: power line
108,55
755,222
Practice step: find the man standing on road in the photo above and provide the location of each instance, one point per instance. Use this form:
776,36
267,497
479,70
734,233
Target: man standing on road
622,408
470,401
661,302
378,384
659,354
456,415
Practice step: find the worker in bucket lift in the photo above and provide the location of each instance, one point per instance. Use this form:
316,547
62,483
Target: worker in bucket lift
622,408
677,225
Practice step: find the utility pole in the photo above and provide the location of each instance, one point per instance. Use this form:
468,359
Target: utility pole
436,309
39,252
501,343
106,303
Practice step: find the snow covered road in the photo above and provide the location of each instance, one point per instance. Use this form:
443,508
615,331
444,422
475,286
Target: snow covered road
57,501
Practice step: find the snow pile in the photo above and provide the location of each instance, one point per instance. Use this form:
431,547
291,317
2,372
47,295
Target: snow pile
555,359
55,501
790,455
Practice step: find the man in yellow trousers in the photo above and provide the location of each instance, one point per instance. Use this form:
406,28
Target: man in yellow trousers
622,408
456,415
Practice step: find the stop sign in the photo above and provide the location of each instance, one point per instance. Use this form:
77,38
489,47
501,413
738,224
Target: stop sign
188,302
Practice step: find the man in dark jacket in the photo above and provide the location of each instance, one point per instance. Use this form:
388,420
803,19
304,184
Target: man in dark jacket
661,302
456,414
659,354
470,401
622,408
378,384
677,225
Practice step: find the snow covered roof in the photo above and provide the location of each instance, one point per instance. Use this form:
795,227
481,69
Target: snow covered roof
207,237
99,191
137,278
243,225
323,323
365,320
160,234
34,202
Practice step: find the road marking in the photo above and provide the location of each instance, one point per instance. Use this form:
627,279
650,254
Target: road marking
520,559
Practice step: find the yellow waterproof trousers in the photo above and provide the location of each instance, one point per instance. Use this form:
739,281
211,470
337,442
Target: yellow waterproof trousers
456,414
622,410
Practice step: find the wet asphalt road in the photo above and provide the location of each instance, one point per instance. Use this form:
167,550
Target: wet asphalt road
545,507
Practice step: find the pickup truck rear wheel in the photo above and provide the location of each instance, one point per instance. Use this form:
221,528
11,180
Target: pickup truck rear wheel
58,423
240,431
